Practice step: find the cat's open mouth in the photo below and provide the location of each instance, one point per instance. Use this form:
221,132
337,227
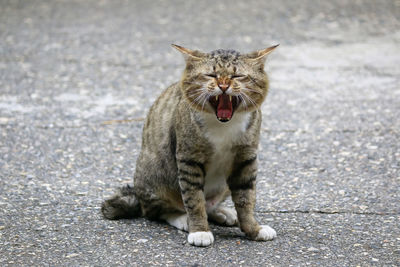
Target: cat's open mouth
224,106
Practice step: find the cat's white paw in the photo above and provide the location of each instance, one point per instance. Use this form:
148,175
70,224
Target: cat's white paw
224,216
179,221
266,233
201,239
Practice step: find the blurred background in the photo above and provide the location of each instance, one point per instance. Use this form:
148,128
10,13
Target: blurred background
78,77
99,52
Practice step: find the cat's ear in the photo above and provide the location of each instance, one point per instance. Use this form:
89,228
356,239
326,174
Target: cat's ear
189,54
261,55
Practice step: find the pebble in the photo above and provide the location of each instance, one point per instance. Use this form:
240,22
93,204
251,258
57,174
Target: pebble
72,255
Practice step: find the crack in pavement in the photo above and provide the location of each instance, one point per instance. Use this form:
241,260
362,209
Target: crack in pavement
330,212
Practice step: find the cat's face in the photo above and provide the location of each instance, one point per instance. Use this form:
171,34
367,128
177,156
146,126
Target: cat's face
224,82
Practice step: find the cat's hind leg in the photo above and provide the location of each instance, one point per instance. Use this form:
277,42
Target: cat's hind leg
223,216
218,213
177,220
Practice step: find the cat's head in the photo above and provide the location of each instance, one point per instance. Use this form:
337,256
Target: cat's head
224,82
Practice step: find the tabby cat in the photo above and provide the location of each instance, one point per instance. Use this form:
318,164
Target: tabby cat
199,146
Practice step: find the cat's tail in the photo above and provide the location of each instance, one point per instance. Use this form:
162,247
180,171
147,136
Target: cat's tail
123,205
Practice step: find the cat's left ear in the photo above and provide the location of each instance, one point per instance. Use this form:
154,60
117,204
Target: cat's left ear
261,55
188,53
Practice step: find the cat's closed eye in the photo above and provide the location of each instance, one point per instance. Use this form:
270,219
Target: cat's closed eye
211,75
237,76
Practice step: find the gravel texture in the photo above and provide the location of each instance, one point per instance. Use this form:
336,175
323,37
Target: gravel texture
77,79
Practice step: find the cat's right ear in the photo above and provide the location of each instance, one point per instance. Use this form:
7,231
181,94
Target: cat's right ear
189,54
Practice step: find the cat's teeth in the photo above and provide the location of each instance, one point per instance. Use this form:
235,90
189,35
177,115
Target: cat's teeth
216,97
230,98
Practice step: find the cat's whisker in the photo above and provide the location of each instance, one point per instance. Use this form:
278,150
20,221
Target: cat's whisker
201,98
199,89
195,83
243,101
206,98
196,92
251,90
194,102
191,94
251,101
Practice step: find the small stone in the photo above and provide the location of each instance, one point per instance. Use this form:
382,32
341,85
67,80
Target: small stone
4,120
143,240
72,255
41,228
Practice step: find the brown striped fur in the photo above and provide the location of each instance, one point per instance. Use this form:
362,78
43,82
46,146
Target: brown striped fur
183,140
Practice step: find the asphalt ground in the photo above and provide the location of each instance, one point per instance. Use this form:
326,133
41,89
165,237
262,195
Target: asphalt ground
78,77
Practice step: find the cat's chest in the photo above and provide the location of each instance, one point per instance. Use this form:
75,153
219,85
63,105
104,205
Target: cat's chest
217,171
223,137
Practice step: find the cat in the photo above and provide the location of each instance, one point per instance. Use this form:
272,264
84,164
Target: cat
199,146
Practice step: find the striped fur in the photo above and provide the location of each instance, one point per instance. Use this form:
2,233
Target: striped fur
192,159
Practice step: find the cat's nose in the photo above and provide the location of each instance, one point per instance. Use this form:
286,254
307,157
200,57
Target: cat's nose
223,86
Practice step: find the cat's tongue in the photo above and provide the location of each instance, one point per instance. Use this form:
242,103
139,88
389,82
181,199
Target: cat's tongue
224,108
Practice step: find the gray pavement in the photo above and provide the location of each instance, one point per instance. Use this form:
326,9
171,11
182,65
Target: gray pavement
77,79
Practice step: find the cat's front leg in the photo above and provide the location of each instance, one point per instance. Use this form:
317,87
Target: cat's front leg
191,182
242,184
